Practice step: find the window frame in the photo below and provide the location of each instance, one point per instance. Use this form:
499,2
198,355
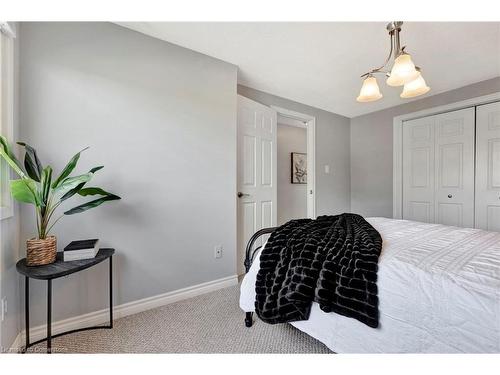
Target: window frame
6,113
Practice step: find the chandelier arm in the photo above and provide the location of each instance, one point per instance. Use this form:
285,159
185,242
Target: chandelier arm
379,70
397,44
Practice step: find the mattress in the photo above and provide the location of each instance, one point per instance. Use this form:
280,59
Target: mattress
439,292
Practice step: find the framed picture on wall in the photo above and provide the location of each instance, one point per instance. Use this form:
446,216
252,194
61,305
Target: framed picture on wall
299,168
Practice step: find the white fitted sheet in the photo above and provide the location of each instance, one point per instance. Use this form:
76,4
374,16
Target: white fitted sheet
439,292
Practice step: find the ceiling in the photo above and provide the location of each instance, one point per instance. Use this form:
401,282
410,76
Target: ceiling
290,121
319,64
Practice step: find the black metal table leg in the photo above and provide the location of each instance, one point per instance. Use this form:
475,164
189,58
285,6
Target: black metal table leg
49,316
27,310
111,292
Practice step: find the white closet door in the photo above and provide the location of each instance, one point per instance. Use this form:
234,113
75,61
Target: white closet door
454,168
418,170
488,167
257,160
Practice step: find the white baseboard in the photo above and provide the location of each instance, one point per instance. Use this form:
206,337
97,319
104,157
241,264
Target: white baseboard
129,308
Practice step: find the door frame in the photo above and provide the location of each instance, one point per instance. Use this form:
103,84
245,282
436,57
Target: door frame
397,159
310,124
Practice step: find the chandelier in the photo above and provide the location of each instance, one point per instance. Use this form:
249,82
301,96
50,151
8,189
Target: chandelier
403,72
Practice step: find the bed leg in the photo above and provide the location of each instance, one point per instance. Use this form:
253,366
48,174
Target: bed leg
248,319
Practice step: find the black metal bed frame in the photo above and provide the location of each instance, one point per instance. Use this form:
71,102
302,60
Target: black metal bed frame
249,256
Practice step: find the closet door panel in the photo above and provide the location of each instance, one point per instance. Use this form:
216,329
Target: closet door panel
454,168
488,167
418,170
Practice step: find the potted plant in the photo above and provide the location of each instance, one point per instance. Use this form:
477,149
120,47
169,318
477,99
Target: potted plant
37,185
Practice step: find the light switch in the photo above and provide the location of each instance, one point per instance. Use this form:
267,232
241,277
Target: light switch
327,169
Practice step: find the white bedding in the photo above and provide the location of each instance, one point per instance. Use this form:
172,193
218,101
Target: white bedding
439,292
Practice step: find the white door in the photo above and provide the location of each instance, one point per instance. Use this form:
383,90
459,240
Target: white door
438,169
454,168
488,167
418,169
257,159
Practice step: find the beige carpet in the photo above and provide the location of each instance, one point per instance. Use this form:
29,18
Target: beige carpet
211,323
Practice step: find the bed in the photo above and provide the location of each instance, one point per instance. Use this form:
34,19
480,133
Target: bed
439,292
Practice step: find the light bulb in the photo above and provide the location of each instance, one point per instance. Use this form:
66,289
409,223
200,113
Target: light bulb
403,71
415,88
369,91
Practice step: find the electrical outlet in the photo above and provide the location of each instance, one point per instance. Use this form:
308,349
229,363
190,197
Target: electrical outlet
4,308
218,252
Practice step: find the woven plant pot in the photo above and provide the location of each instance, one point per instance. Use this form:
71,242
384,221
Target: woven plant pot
40,252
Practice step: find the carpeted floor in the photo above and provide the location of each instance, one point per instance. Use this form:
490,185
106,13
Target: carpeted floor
211,323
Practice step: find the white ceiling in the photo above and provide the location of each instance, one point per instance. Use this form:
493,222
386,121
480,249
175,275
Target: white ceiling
319,64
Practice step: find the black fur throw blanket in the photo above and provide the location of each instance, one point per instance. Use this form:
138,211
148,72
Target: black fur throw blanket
332,260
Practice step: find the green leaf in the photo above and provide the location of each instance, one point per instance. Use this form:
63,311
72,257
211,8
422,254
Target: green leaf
32,164
8,155
95,169
68,169
92,191
45,184
24,190
72,182
72,192
91,204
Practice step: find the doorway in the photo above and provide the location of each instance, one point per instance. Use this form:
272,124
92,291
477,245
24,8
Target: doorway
292,171
286,117
257,169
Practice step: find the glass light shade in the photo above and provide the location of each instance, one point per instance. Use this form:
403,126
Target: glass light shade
415,88
369,91
403,71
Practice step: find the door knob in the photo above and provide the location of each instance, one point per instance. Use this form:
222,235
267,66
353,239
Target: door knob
240,194
450,196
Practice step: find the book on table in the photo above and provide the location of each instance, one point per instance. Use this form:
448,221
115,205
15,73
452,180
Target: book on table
82,249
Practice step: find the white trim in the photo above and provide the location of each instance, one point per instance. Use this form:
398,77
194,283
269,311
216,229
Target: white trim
311,155
6,212
8,28
126,309
397,170
7,114
311,166
397,187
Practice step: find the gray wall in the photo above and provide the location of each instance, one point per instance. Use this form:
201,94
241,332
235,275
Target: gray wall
162,120
332,148
9,244
292,198
371,148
